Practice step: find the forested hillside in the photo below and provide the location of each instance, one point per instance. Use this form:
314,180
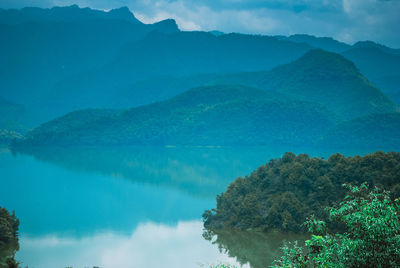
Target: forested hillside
323,77
9,225
214,115
67,58
284,192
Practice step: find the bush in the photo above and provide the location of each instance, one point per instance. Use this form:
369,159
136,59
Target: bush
371,237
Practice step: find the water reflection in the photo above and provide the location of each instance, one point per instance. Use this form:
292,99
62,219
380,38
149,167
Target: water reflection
53,200
149,245
250,247
203,172
92,206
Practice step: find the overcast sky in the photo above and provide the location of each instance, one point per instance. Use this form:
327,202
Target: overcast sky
345,20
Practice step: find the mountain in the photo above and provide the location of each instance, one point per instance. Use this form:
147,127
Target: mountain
63,14
43,46
213,115
319,76
159,54
323,77
380,65
370,44
157,88
331,80
58,60
375,132
325,43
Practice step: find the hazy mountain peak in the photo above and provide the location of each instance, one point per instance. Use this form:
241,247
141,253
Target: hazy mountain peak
326,43
331,80
371,44
167,26
323,60
123,13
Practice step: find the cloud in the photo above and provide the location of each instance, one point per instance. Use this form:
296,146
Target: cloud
346,20
150,245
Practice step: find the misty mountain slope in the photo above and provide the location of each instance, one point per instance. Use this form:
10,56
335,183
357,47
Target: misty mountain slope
215,115
157,88
370,44
380,65
325,43
67,58
187,53
42,46
374,132
159,55
71,13
331,80
323,77
319,76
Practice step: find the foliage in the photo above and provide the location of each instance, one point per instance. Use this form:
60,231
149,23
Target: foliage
285,191
371,237
209,115
8,238
372,131
325,78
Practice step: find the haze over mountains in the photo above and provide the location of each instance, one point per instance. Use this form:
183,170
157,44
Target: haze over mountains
298,104
55,60
281,90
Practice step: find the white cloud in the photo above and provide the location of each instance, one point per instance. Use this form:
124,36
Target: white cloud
346,20
150,245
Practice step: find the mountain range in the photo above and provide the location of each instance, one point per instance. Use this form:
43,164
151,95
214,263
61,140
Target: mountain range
109,79
313,101
66,58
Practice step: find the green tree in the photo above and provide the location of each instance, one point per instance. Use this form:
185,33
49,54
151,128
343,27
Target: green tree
8,238
371,236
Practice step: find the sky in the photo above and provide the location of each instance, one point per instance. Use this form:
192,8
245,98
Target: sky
345,20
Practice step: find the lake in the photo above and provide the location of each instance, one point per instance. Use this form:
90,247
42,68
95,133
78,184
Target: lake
129,207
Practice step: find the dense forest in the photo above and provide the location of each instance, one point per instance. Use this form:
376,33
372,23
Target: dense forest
8,238
370,236
323,77
210,115
319,100
284,192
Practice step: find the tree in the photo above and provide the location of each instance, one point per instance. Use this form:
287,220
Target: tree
371,236
8,238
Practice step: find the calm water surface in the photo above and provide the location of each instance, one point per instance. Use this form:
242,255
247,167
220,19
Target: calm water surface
128,207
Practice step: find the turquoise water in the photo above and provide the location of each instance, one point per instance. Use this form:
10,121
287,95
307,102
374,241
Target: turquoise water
124,207
117,207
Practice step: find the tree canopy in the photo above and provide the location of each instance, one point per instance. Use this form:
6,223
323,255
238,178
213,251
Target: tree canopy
9,224
371,237
284,192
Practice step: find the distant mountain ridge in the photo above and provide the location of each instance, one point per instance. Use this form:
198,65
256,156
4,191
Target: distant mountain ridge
323,77
63,14
300,103
43,46
66,58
